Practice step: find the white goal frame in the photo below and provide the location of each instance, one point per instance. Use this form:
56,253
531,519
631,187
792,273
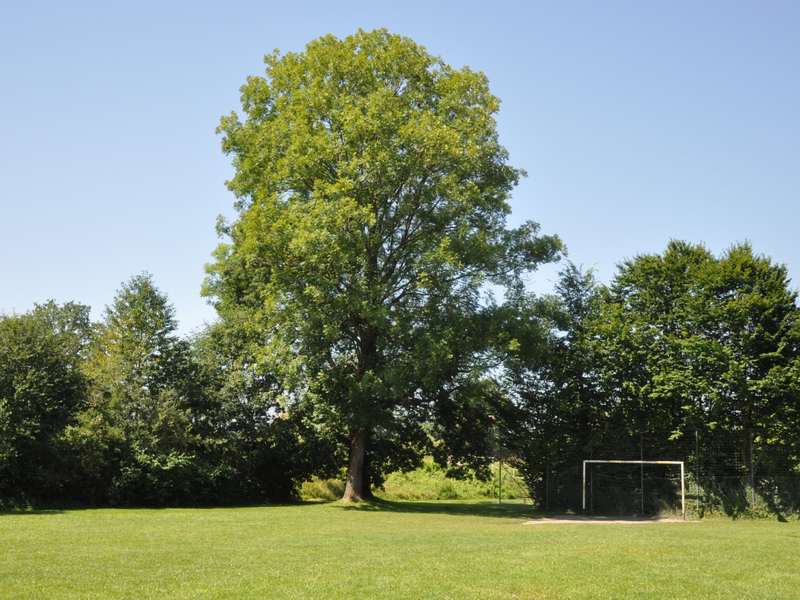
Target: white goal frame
640,462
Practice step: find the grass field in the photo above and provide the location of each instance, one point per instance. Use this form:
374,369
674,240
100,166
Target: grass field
387,550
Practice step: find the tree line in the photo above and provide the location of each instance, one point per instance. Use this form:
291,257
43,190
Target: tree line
679,345
126,412
372,310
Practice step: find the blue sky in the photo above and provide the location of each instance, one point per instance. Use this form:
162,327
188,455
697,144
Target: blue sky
636,121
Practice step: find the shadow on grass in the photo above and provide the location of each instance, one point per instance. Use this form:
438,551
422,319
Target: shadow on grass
469,508
135,508
443,507
24,512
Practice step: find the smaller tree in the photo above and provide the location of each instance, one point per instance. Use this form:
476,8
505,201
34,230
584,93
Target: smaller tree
141,372
752,317
551,378
656,369
688,340
137,354
42,387
262,448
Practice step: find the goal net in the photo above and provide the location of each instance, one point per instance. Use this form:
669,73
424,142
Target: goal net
641,463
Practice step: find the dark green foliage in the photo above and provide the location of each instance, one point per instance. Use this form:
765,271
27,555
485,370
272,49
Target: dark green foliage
42,387
551,379
169,423
680,342
687,340
126,413
134,442
269,446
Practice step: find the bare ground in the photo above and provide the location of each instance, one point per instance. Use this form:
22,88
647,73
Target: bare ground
595,519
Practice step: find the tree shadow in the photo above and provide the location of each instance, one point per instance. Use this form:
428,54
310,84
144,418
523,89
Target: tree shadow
469,508
22,512
488,508
134,508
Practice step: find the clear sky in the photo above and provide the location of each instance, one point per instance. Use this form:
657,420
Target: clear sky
636,121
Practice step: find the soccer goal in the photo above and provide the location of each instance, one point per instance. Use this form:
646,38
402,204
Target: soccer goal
639,462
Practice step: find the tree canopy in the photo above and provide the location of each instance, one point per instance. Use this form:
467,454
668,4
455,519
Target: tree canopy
42,386
687,339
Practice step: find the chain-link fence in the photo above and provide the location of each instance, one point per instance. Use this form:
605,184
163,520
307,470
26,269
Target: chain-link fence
741,473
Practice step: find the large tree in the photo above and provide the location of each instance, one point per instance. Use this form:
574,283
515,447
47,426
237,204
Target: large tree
372,196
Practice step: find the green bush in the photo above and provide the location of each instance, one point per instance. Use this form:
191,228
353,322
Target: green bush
431,482
322,489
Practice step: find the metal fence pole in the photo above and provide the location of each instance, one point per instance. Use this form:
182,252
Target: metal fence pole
500,476
546,479
591,485
641,469
583,498
697,468
752,472
683,496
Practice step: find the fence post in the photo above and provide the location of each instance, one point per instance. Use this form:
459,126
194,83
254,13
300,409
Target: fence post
500,476
641,469
546,477
752,472
697,468
591,486
583,498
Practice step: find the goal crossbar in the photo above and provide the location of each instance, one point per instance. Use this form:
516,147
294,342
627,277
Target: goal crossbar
639,462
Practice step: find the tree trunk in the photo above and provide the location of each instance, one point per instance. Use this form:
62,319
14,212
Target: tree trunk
353,491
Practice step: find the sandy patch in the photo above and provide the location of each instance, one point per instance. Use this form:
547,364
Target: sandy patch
612,520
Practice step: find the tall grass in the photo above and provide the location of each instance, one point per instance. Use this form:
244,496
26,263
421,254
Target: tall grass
429,482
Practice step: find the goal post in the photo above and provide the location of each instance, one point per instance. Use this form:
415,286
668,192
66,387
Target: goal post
639,462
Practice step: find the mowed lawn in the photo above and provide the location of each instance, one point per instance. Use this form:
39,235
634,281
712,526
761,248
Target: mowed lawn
390,550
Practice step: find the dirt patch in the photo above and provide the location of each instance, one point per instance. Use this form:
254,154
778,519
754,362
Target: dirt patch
612,520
